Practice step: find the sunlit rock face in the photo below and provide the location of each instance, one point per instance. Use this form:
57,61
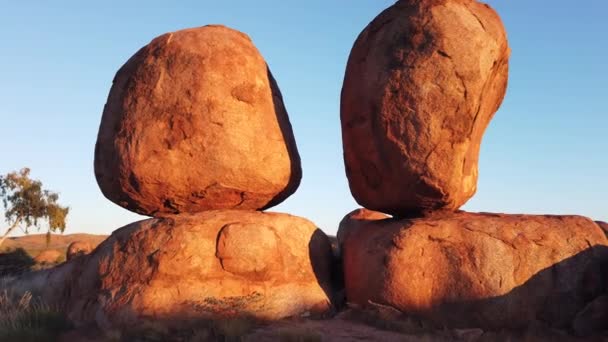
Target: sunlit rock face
215,264
476,270
195,121
422,83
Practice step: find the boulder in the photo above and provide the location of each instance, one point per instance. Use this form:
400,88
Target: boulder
466,270
78,248
195,121
351,221
215,264
422,83
49,256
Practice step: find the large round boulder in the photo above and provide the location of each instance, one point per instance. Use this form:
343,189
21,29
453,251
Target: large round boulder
422,83
210,265
467,270
195,121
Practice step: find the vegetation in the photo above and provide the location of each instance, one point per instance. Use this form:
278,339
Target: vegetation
221,330
28,205
13,263
25,319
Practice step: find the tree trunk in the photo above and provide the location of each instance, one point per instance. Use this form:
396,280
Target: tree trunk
9,230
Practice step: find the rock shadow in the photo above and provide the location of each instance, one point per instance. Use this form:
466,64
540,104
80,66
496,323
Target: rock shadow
289,138
551,298
324,266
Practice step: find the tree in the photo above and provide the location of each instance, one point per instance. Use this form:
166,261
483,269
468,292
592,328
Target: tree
27,205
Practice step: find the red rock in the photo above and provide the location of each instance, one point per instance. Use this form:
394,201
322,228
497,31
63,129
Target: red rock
78,248
604,226
215,264
195,121
466,270
422,83
352,220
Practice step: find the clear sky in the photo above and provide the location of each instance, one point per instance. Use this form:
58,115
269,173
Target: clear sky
546,151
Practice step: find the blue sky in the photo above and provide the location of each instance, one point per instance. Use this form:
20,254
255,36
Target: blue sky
544,152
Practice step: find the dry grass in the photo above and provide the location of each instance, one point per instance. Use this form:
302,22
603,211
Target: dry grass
224,330
385,318
380,319
26,318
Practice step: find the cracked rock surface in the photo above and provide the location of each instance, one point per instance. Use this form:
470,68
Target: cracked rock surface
422,83
215,264
476,270
195,121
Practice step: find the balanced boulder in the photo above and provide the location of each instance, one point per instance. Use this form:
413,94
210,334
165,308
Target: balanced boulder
422,83
466,270
215,264
195,121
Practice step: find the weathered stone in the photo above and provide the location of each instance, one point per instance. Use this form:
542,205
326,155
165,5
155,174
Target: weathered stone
215,264
604,226
351,221
195,121
468,270
422,83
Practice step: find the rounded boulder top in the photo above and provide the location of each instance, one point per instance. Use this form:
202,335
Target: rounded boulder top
422,83
195,121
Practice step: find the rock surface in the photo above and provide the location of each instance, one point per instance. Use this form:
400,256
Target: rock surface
422,83
195,121
214,264
468,270
78,248
351,222
603,225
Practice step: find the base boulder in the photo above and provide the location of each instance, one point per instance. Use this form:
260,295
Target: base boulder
467,270
215,264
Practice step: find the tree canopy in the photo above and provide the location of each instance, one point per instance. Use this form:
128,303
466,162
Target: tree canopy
28,205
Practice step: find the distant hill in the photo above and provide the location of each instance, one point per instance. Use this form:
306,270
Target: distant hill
35,243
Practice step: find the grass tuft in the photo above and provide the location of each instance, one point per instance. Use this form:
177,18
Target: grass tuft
27,319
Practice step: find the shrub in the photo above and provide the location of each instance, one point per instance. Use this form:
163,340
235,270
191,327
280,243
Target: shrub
15,262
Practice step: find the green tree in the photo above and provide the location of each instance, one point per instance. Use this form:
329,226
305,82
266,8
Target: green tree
27,205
